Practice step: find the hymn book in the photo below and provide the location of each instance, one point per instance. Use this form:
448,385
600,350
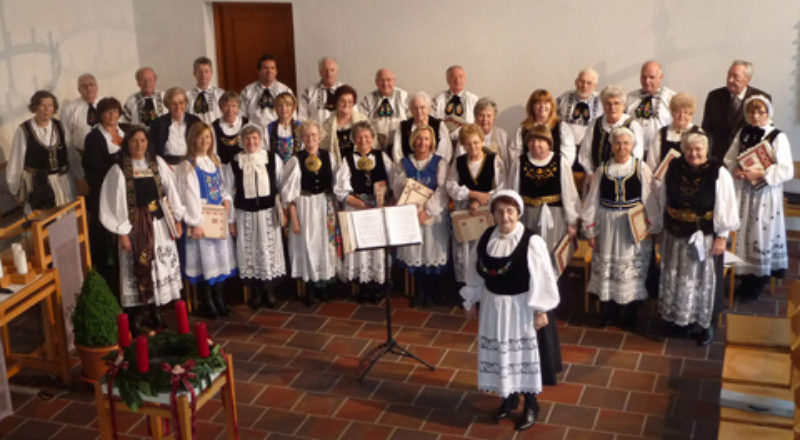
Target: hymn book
758,157
661,171
166,208
562,254
215,221
638,223
379,227
468,227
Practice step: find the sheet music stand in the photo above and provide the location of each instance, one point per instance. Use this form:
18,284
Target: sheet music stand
390,345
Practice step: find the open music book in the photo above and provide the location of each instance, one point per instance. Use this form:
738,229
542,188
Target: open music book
379,227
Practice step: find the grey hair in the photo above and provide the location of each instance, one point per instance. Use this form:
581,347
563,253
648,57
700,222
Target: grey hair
420,95
622,131
230,95
172,92
143,69
692,137
748,67
249,129
361,126
453,67
590,71
323,60
484,103
307,125
613,91
86,76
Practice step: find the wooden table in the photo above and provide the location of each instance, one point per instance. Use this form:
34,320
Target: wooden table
51,356
157,411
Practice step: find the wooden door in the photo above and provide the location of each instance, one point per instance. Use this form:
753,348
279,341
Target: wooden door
245,31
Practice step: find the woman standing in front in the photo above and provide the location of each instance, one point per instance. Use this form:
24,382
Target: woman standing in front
700,210
428,260
511,275
761,242
209,261
131,206
619,263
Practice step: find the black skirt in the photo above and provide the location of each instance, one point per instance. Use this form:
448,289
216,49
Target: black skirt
549,350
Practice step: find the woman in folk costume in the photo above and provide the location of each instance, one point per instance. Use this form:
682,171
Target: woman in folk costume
228,126
761,241
209,261
428,260
337,129
254,177
308,193
542,109
132,206
511,275
283,136
356,177
619,263
471,181
699,206
39,166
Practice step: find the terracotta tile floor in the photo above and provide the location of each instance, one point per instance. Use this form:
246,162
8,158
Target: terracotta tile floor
297,370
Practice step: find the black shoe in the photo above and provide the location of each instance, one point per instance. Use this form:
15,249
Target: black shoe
133,319
156,322
207,308
706,336
219,299
527,420
508,406
267,297
679,331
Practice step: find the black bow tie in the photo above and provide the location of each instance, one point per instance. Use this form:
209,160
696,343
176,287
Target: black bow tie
645,108
330,105
454,106
385,109
201,104
91,116
581,112
266,100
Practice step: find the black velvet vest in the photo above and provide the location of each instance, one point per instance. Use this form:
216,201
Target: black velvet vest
507,275
256,203
667,145
227,146
538,185
484,182
38,156
601,142
691,193
315,182
362,181
621,193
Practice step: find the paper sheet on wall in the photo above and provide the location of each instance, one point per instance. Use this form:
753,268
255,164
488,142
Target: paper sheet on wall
67,259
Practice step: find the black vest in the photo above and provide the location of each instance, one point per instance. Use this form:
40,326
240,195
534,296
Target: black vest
485,180
315,182
405,132
622,193
38,156
256,203
273,136
362,181
667,145
538,185
146,193
691,193
345,142
227,146
601,144
507,275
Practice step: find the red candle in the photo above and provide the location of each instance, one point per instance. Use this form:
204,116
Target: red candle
142,358
182,316
123,331
201,335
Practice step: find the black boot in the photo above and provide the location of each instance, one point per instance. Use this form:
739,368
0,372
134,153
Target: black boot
267,295
156,322
420,291
256,299
679,331
207,308
706,336
529,412
218,295
374,293
610,313
631,312
133,321
510,403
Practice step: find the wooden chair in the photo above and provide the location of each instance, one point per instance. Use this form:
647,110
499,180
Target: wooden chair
582,259
743,431
731,270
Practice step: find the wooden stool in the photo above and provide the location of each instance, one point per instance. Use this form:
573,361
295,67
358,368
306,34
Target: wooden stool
582,258
742,431
158,411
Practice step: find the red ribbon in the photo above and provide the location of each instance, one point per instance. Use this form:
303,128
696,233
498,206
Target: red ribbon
181,375
114,368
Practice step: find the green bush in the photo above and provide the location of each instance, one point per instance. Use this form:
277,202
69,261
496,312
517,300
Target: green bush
94,319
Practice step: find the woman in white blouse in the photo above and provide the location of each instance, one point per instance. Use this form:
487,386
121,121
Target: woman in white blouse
428,260
228,126
619,263
682,106
495,139
209,261
336,130
132,206
168,132
542,109
699,210
308,194
254,177
761,242
282,135
38,171
510,274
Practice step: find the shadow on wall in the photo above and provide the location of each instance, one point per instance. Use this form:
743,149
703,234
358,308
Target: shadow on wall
796,83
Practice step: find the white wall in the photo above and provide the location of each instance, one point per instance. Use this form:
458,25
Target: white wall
47,44
508,47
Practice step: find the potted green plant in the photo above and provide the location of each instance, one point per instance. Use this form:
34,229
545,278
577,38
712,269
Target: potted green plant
94,322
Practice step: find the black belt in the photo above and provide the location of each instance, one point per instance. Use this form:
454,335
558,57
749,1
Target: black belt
172,160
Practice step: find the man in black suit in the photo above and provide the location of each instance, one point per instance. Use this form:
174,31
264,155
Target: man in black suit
724,111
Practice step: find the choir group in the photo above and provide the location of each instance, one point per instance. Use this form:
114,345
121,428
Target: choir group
275,166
